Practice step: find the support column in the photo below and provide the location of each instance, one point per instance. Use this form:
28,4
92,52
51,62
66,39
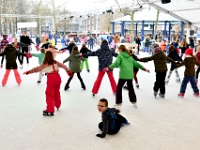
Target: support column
152,30
136,29
165,30
113,27
122,28
169,35
188,32
182,30
142,31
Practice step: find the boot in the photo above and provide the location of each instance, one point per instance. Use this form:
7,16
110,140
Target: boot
135,105
83,87
196,94
155,94
66,87
162,95
181,95
45,113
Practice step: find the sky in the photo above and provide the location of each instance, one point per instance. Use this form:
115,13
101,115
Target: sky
89,5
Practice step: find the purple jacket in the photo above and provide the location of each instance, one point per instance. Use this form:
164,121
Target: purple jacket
4,41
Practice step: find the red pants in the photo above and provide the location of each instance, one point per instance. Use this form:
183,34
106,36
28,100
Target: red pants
17,76
99,79
53,91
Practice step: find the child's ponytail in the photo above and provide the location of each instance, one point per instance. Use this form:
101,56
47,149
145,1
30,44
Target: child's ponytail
123,48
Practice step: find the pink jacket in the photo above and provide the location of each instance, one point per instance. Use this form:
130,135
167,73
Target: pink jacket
49,68
54,52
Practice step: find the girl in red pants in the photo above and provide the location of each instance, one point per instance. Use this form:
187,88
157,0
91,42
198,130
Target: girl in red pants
11,54
50,67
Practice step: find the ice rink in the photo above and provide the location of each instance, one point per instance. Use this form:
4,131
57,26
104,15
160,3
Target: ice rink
157,124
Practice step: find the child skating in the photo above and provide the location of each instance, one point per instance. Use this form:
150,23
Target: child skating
189,75
51,68
40,57
160,60
125,62
11,54
75,62
173,54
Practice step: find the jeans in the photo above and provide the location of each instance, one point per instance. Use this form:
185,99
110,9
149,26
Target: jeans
131,92
185,81
160,82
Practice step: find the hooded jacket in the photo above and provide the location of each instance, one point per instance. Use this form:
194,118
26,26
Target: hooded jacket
189,62
75,62
126,63
11,55
160,60
174,55
105,56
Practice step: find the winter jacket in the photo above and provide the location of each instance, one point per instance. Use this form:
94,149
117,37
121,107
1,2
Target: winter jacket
45,45
106,119
70,46
91,41
76,39
38,41
198,56
160,60
189,62
75,62
25,40
175,44
4,41
147,42
126,63
40,57
63,40
138,41
183,49
174,55
84,50
105,56
11,54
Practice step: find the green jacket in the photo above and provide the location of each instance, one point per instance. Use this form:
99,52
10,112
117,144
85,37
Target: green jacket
75,62
125,62
160,60
40,57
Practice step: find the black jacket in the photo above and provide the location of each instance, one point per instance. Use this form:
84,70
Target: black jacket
25,40
45,45
105,56
11,55
174,55
69,47
84,50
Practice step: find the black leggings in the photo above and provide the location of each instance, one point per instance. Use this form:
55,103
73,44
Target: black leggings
197,72
121,120
79,77
131,92
24,49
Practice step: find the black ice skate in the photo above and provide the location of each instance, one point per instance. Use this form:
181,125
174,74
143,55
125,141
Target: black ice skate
45,113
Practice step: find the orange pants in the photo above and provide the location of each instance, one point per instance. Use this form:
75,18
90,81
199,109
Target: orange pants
17,76
53,92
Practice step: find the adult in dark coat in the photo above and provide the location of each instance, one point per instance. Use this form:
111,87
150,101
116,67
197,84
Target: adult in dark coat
25,40
70,46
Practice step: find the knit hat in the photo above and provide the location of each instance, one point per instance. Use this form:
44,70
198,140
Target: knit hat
189,51
157,50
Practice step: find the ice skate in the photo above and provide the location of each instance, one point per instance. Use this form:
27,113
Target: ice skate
83,87
155,94
162,95
45,113
38,81
21,67
196,94
181,95
118,106
125,87
66,87
135,105
137,85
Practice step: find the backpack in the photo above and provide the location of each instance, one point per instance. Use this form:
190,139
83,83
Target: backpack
113,119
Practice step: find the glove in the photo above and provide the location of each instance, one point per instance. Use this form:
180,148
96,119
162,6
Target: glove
101,135
147,70
28,55
70,74
63,50
105,69
27,72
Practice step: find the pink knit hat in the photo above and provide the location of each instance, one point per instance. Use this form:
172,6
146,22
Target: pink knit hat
189,51
157,50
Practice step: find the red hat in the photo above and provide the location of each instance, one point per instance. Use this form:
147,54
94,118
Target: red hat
189,51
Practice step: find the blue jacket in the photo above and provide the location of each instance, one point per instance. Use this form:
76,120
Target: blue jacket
91,41
105,56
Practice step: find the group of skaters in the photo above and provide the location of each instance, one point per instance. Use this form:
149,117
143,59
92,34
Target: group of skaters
126,61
